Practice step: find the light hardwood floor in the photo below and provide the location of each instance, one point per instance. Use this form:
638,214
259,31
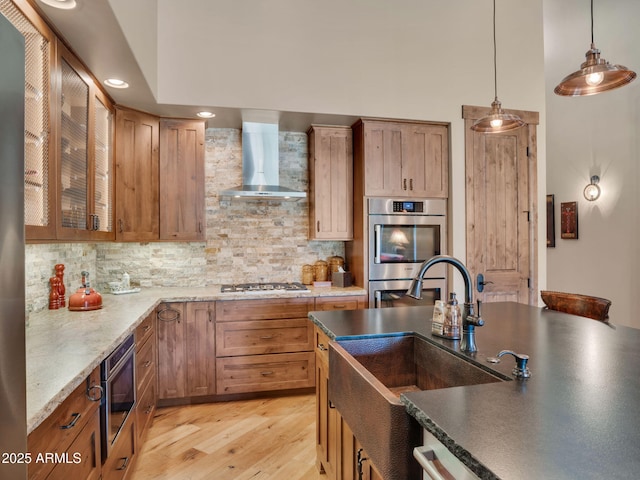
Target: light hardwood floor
261,439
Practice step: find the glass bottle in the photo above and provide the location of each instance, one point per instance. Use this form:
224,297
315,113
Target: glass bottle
453,318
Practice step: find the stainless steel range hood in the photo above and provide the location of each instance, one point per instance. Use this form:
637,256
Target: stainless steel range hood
260,165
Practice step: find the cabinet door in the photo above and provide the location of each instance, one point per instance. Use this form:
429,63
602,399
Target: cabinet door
200,348
73,117
84,456
327,442
182,180
137,183
102,185
39,144
330,183
171,365
382,159
425,160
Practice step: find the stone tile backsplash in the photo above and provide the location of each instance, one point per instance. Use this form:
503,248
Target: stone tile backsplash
246,241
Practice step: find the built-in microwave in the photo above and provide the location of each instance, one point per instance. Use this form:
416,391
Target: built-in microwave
403,234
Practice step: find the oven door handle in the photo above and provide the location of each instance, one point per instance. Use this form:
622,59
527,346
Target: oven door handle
376,242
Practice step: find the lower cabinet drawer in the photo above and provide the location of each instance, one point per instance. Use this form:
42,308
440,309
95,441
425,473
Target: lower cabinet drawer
146,363
145,408
58,431
83,459
260,373
263,336
120,459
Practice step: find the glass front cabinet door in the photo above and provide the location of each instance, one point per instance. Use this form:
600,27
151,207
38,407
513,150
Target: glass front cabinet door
85,139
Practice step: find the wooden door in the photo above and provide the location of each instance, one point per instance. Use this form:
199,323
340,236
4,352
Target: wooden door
200,352
330,183
425,160
171,361
137,183
182,180
501,192
382,158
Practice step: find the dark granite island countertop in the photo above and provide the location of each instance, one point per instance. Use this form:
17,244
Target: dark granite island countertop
575,418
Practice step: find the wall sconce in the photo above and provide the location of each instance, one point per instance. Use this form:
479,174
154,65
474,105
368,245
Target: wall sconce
592,191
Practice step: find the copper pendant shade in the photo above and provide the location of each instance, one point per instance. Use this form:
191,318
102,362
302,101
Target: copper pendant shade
596,75
497,121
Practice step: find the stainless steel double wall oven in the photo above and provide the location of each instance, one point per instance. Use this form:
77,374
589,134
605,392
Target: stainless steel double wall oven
402,234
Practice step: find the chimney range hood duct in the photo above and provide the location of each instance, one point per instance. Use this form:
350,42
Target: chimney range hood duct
260,165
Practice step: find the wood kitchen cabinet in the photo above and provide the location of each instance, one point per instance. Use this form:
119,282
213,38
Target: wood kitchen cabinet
39,140
145,337
186,350
159,178
137,176
395,158
72,430
118,464
330,183
68,138
347,302
182,180
264,345
85,158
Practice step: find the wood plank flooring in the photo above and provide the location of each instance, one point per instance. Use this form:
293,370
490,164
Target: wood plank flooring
258,439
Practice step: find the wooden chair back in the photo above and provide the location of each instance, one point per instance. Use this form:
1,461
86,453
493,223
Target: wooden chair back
576,304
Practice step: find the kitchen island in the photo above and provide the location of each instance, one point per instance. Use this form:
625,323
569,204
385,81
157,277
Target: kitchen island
574,418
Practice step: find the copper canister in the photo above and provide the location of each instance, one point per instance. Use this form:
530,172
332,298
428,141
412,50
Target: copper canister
307,274
321,270
335,263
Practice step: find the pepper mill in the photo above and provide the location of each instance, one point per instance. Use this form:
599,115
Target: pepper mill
61,289
54,296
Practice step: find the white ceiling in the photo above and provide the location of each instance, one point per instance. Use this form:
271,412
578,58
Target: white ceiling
94,33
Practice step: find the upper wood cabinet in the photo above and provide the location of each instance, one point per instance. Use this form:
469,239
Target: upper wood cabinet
401,158
331,183
159,178
182,180
85,164
137,176
39,139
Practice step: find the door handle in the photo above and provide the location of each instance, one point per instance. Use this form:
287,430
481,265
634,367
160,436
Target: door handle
480,282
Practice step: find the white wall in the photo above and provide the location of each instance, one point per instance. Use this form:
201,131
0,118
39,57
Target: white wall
417,59
595,135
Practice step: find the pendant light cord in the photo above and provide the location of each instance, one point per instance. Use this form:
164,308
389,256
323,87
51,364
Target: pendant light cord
591,22
495,56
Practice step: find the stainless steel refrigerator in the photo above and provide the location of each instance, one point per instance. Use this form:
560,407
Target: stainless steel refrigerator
13,430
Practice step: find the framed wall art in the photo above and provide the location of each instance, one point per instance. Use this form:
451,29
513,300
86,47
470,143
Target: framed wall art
551,223
569,220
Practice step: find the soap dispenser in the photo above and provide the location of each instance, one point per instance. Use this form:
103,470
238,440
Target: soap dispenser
452,319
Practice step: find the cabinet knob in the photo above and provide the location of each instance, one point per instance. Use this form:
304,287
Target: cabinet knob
404,183
318,227
120,225
411,184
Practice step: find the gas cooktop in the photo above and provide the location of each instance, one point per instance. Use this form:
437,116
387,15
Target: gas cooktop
262,287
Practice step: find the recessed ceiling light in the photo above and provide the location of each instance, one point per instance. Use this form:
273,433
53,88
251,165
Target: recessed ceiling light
206,114
116,83
63,4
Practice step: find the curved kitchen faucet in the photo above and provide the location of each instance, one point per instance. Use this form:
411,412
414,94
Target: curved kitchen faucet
469,319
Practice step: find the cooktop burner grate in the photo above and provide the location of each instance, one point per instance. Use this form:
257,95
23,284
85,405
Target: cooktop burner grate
262,287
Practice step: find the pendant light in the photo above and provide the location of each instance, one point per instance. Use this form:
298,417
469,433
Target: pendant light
596,75
497,121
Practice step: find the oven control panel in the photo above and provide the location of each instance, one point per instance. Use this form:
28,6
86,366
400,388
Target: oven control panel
408,207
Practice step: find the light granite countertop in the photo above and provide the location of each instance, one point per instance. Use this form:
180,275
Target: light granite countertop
64,347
